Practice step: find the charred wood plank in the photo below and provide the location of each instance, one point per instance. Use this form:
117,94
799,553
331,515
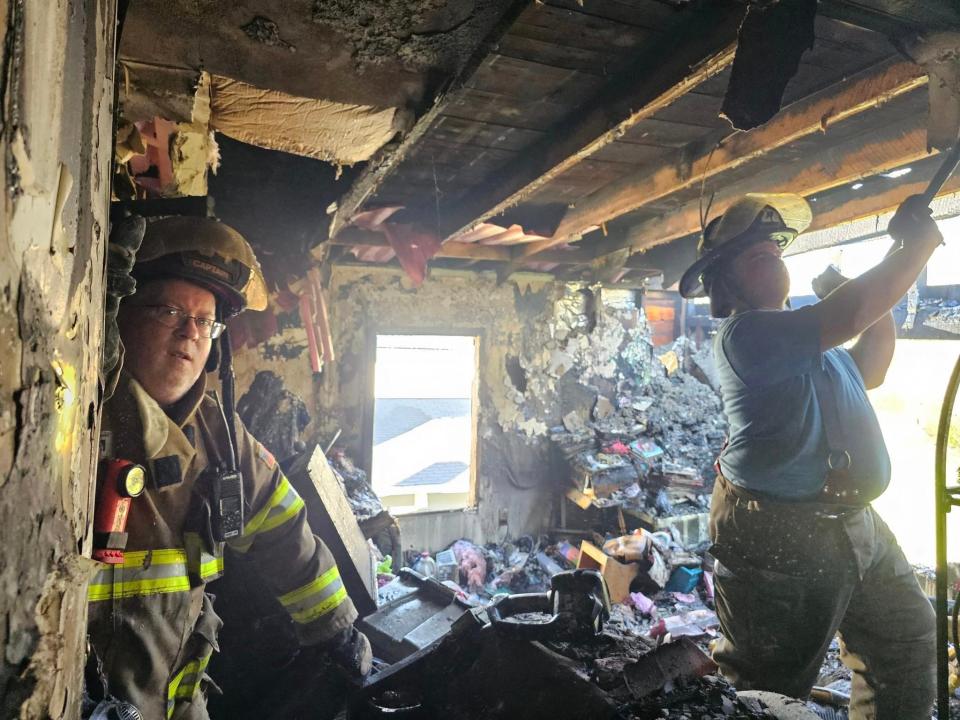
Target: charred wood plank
381,167
863,92
885,151
637,94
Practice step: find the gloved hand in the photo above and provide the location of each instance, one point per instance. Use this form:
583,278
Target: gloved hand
352,652
828,281
125,239
912,223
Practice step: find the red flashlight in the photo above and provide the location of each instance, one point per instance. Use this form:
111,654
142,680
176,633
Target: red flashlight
121,481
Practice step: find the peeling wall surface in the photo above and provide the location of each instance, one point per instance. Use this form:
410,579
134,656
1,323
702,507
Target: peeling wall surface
544,346
57,94
365,302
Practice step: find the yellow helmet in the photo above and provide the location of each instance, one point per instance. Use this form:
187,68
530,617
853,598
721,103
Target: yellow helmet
206,252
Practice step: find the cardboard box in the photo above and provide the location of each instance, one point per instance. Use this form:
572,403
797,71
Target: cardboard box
617,575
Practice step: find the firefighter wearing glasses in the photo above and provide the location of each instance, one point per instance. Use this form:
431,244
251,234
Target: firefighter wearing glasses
208,483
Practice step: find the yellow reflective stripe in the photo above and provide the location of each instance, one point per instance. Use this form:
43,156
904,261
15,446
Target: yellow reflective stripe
138,587
321,609
312,587
283,504
279,519
316,598
275,499
160,556
185,683
210,567
150,572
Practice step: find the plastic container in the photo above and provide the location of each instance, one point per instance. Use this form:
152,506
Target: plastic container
447,566
684,580
426,565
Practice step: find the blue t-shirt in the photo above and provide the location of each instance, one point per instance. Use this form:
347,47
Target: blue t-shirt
777,443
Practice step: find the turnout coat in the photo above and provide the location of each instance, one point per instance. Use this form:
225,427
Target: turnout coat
152,626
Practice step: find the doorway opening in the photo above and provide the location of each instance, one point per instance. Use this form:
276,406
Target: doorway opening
425,422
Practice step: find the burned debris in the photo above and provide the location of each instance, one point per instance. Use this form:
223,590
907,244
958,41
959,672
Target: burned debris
437,249
648,445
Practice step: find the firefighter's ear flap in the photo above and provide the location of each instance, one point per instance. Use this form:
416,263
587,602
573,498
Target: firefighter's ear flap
213,359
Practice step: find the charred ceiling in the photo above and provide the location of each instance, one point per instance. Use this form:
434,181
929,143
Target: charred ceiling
565,136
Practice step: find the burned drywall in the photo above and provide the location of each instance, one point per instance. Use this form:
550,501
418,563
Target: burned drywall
364,302
553,356
57,89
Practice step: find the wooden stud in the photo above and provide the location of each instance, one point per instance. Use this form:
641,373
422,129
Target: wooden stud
884,152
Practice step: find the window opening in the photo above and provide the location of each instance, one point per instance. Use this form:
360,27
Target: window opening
424,422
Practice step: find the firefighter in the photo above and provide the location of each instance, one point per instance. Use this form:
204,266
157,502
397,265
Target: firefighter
800,553
206,483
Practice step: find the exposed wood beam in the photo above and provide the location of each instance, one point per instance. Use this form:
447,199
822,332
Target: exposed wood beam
885,151
875,204
355,237
865,91
897,20
637,94
382,166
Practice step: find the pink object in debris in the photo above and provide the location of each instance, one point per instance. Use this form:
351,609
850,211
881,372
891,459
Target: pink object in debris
658,629
413,246
687,598
473,566
642,603
617,448
708,583
695,623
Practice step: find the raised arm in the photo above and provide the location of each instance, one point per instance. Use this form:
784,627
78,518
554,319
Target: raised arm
860,303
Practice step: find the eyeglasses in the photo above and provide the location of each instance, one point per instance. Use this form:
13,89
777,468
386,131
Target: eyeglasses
175,318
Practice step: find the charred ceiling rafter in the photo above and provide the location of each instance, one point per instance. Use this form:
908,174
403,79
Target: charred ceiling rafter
390,158
875,203
620,105
811,116
894,17
897,146
355,237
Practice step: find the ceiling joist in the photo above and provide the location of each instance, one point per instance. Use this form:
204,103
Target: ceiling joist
390,158
635,95
861,93
884,151
355,237
875,204
865,91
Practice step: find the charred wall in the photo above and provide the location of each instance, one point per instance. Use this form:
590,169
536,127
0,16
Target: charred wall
547,350
57,90
512,465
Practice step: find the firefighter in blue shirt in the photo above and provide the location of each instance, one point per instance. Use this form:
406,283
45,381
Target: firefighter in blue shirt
800,553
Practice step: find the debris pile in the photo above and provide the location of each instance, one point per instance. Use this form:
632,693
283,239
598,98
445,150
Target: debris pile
274,415
651,449
363,500
659,589
640,659
707,697
639,428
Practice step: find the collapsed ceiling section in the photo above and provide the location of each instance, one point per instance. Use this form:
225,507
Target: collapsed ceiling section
570,136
